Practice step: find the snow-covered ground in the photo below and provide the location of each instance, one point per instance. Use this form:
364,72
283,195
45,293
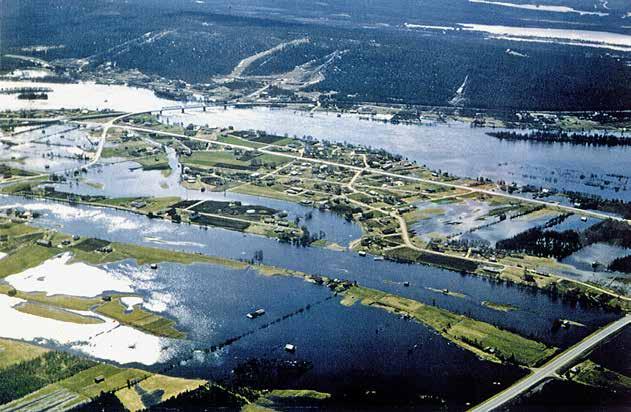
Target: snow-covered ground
540,7
588,38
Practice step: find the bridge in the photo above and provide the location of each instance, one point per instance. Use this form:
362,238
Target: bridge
23,90
548,370
240,105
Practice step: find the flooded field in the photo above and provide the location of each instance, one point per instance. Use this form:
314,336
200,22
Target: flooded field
55,148
126,179
528,320
507,228
454,147
448,219
345,350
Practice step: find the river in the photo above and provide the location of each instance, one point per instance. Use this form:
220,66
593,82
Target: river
453,147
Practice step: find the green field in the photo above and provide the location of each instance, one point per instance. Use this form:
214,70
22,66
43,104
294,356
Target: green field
237,141
78,388
590,373
160,388
406,254
140,319
211,159
26,257
52,312
228,159
501,307
25,377
152,204
14,229
292,398
265,191
482,338
12,352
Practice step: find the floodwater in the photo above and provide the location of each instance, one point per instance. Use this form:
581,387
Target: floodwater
210,303
600,253
506,229
85,95
342,344
535,316
454,218
127,179
452,147
54,149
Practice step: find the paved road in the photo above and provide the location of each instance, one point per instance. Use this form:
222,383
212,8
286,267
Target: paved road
402,222
112,123
549,369
395,175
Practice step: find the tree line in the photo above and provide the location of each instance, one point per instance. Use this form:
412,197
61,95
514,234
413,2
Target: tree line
557,136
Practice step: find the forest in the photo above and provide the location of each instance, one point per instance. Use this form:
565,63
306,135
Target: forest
557,136
381,65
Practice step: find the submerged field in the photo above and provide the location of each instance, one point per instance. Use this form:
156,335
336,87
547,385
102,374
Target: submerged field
153,277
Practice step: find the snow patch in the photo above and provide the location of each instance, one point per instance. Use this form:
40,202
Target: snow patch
541,7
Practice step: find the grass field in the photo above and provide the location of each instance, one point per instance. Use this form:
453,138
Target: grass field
290,398
26,257
60,301
221,222
590,373
228,159
237,141
140,319
23,378
155,389
250,189
77,389
151,204
406,254
22,186
477,336
11,229
153,162
51,312
83,382
214,158
501,307
12,352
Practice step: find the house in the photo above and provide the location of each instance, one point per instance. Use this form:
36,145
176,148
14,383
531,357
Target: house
99,379
138,204
290,348
44,242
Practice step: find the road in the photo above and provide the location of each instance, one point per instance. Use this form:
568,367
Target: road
385,173
549,369
405,236
368,169
359,170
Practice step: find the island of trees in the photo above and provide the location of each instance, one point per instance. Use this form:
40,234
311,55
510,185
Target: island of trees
557,136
